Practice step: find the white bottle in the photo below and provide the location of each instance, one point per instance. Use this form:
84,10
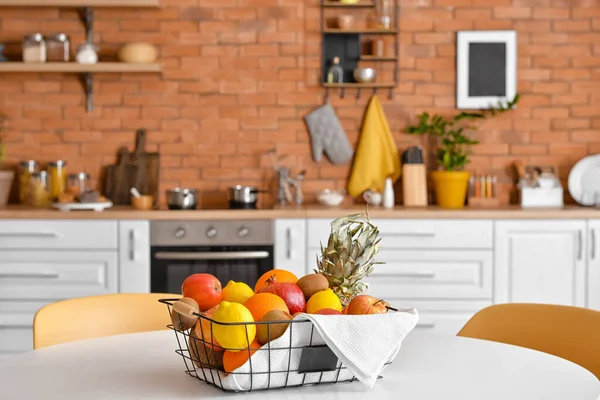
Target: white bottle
388,194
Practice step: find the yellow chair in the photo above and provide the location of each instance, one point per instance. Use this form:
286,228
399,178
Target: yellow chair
571,333
98,316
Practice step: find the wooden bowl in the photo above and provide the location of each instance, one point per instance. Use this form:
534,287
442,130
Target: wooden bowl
142,202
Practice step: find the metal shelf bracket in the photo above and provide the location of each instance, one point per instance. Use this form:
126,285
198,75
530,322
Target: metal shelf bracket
86,15
87,81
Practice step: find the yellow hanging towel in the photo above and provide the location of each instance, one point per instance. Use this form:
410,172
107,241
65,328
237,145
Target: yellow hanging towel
376,155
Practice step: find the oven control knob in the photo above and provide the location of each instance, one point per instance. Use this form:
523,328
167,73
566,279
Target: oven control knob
243,232
180,232
211,232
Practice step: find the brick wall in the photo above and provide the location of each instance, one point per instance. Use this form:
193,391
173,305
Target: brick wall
240,74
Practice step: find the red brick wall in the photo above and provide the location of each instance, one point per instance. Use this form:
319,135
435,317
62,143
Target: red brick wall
240,74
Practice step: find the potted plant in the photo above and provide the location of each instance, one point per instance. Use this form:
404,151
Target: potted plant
6,176
450,180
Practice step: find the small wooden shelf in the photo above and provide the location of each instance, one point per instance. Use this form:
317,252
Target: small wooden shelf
80,3
366,57
340,4
356,85
336,31
103,67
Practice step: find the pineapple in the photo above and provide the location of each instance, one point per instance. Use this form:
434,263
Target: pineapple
349,256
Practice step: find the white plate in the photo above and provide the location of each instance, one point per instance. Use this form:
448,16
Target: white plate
584,181
101,206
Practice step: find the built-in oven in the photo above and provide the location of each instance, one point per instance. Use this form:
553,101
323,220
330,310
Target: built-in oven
230,250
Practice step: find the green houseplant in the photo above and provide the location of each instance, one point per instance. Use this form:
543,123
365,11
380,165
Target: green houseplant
453,149
6,176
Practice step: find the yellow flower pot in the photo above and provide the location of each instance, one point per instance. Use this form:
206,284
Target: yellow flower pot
451,188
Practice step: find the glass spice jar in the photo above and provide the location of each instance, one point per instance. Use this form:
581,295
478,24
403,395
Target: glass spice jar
78,183
34,48
57,171
39,190
26,169
57,48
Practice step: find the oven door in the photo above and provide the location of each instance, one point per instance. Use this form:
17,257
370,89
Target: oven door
171,265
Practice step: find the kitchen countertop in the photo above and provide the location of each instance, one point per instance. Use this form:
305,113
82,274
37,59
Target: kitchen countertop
308,211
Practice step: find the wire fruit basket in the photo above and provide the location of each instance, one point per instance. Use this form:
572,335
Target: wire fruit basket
298,358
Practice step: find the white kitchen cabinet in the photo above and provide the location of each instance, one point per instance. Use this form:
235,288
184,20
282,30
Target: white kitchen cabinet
134,257
541,262
593,276
290,246
62,234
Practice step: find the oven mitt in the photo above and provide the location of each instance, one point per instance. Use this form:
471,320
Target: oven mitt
327,135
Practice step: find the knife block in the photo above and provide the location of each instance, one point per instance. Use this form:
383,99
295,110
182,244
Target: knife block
414,185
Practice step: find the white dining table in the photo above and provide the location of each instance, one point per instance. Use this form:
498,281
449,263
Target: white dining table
428,367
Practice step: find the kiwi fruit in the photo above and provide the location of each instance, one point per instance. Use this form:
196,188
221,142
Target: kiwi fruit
202,355
311,284
267,332
183,322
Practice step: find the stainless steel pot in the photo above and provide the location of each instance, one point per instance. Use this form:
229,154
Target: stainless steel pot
182,199
243,194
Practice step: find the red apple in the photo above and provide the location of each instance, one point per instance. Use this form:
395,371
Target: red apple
204,288
365,304
328,311
289,292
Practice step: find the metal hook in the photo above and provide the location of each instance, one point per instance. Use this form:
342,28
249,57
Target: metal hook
342,93
326,95
88,85
391,93
357,93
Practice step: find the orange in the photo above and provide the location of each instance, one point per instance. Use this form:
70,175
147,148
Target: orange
262,303
234,360
280,275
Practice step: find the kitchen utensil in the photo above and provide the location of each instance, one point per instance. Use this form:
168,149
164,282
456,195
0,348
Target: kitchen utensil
99,206
584,180
148,167
142,202
134,192
414,185
364,75
345,21
330,198
243,196
120,178
182,199
373,198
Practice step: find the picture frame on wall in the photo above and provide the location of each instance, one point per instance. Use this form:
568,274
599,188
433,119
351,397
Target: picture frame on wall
486,68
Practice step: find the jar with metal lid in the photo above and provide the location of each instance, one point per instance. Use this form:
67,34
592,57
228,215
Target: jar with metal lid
57,48
57,171
39,190
34,48
26,168
78,183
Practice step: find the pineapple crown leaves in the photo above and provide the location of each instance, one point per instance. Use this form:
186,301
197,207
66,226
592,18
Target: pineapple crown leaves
350,255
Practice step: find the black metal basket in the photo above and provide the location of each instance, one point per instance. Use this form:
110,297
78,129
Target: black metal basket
307,364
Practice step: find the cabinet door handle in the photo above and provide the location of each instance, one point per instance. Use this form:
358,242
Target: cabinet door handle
429,325
418,274
409,234
132,245
34,275
580,245
288,243
593,244
30,235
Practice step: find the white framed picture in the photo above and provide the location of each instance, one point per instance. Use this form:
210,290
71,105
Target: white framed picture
486,68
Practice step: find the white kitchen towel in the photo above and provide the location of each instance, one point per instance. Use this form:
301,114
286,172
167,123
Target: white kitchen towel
362,343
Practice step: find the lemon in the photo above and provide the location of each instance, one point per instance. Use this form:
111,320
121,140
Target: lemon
237,292
233,337
323,299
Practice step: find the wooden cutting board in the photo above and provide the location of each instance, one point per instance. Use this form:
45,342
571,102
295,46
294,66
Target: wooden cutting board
147,166
139,169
